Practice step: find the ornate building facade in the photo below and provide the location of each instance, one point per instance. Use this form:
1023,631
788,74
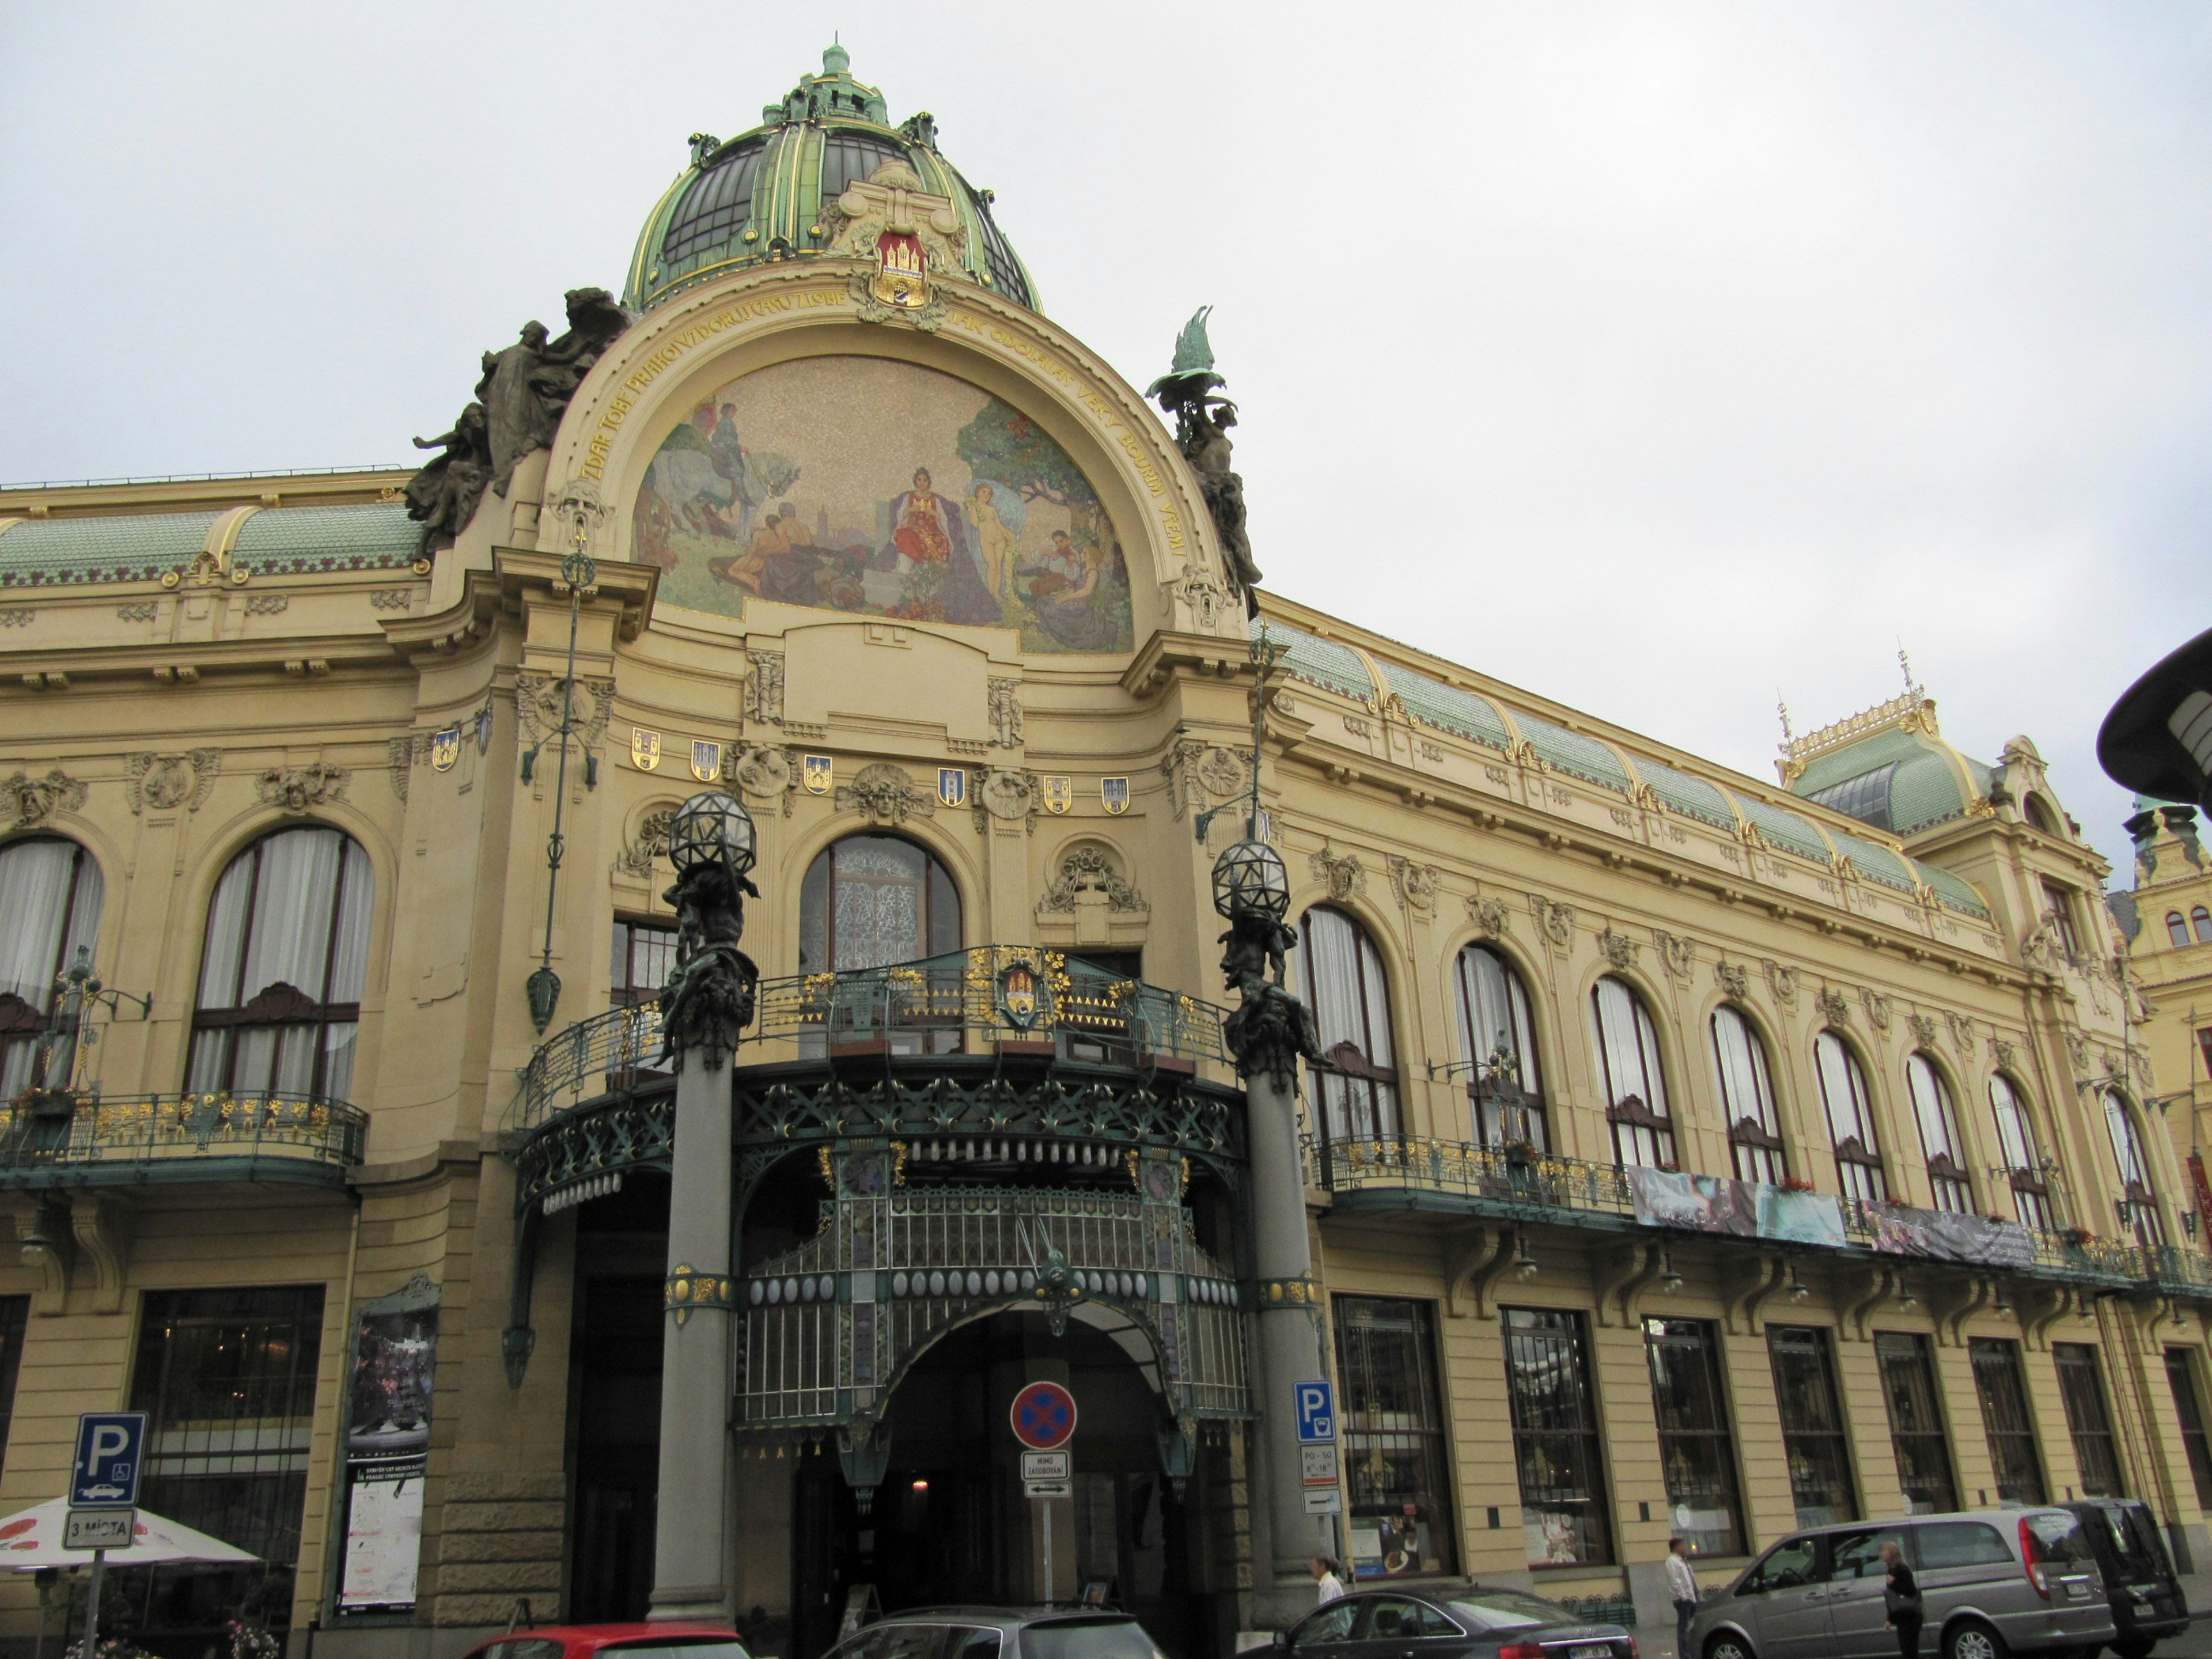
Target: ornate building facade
1682,1153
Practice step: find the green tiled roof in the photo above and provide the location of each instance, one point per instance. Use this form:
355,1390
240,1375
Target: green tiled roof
1901,782
1875,863
1323,663
1853,759
288,540
1691,797
1447,708
1953,890
1785,829
1574,754
137,548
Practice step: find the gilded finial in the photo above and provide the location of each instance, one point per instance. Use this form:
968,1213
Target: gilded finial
1783,709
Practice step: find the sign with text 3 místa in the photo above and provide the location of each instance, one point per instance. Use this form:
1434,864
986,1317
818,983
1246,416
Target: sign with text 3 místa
109,1446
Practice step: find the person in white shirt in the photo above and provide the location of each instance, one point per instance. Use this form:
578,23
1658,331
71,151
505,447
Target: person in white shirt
1325,1573
1682,1586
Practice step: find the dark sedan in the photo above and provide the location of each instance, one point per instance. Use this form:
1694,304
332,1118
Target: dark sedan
1451,1622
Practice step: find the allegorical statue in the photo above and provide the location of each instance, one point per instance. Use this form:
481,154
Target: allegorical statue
443,495
1202,423
1270,1030
708,1000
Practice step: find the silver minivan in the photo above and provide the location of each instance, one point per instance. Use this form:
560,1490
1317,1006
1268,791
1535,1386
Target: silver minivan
1992,1582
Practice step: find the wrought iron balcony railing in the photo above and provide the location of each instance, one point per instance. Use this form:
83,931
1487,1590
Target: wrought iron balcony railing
58,1139
953,1003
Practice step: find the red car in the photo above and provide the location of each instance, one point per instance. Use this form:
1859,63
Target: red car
669,1641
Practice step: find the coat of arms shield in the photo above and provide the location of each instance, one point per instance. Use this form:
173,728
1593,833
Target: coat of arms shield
644,749
1059,794
952,786
815,775
1114,792
706,761
446,749
1023,1001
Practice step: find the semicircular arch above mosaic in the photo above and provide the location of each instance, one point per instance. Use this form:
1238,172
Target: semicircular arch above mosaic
881,489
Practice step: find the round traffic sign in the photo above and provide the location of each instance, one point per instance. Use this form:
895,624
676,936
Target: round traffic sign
1043,1416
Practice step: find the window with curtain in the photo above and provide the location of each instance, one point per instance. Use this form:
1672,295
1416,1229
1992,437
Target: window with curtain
2181,1377
2136,1189
1342,971
1851,1120
1747,1099
1915,1423
2200,919
281,975
1493,1015
1555,1439
2030,1193
1395,1466
1697,1453
871,900
50,893
2006,1419
2083,1391
1813,1445
2176,929
2059,902
1627,1049
1940,1140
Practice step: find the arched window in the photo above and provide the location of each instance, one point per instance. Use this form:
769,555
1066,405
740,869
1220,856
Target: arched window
2136,1189
1343,972
1493,1015
2200,919
50,893
1747,1099
2031,1194
1939,1136
2176,929
1627,1049
871,900
1850,1120
2038,815
286,954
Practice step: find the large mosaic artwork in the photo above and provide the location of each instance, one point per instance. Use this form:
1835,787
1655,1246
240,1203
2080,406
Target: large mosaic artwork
883,490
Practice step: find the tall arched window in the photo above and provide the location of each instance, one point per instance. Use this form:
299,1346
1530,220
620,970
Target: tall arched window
871,901
1851,1120
286,955
1627,1049
2200,919
1940,1138
1493,1015
2176,929
1747,1099
2031,1194
2136,1189
1343,972
50,894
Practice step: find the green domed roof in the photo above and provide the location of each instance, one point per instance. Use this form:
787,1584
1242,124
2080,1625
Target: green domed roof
1902,779
760,196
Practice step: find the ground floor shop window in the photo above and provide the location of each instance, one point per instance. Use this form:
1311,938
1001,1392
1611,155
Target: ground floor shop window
2083,1392
227,1379
1394,1465
2006,1419
2181,1376
1697,1454
1813,1444
1555,1439
1915,1423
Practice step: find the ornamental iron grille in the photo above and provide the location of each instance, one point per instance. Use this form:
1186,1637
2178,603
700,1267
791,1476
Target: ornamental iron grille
830,1328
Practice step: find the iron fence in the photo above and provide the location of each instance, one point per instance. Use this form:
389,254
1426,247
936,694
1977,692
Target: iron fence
56,1131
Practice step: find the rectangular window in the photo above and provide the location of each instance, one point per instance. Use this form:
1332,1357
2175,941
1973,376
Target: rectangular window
1813,1444
2181,1375
1394,1437
1555,1439
2060,902
227,1380
1915,1423
644,957
2083,1392
2007,1420
1697,1454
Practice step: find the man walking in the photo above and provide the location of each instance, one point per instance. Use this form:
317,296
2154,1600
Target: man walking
1682,1586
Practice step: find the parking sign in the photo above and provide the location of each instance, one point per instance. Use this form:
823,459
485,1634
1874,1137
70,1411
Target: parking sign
1317,1408
106,1473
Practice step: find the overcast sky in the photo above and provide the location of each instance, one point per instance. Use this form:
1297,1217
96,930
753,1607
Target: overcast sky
1662,359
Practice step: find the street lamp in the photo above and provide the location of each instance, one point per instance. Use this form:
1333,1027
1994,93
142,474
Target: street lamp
1250,879
709,999
713,828
2157,740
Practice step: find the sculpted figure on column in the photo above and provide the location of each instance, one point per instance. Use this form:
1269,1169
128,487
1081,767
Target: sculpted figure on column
1271,1030
709,999
1202,423
525,388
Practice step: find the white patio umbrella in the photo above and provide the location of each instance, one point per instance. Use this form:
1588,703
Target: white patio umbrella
32,1539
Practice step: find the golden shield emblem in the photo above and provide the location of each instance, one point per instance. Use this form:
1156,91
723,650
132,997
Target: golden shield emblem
1059,794
1114,792
446,749
815,775
644,749
706,761
952,786
1022,1001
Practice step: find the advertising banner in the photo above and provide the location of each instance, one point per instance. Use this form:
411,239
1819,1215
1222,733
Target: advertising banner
388,1445
1745,1209
1900,1230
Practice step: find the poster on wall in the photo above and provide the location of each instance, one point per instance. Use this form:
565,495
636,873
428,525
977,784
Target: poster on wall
387,1449
1388,1546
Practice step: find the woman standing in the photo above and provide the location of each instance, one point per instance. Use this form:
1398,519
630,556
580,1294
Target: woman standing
1900,1601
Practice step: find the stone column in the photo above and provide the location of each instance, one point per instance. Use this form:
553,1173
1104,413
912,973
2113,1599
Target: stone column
691,1562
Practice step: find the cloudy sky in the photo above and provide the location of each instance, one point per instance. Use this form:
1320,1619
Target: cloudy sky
1663,359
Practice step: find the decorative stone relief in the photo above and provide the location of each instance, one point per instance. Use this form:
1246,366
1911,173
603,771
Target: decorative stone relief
763,773
296,788
764,686
1004,701
2000,1052
2139,1060
1618,949
1877,1008
886,794
384,599
1197,774
166,781
1342,876
1558,920
1962,1033
1208,598
1432,752
1734,978
1009,795
1835,1007
1783,981
2077,1052
406,754
29,801
18,617
1490,914
276,604
1415,884
637,858
1091,870
138,611
1680,955
1924,1029
537,701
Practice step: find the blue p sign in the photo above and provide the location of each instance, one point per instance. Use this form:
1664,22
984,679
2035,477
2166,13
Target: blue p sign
106,1473
1317,1409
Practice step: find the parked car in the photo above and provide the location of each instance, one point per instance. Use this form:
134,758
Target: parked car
1992,1582
2146,1597
670,1641
1443,1622
997,1633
